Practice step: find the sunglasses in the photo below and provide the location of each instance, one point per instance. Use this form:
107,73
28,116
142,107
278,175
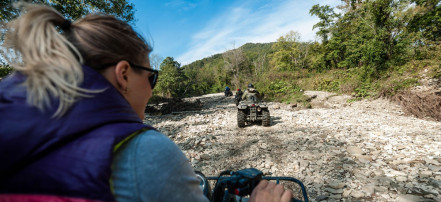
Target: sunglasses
153,78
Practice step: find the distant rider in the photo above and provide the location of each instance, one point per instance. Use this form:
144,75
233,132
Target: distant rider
228,91
238,96
239,93
251,94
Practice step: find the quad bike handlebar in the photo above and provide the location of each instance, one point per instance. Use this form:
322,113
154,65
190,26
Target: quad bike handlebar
230,184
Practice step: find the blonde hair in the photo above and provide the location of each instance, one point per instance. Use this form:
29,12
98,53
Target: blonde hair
51,58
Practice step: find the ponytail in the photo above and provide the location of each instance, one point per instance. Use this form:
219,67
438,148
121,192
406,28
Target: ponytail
36,46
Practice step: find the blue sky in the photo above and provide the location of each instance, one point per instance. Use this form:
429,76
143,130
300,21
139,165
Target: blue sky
189,30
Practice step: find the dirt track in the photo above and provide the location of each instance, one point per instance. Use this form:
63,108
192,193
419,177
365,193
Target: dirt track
366,150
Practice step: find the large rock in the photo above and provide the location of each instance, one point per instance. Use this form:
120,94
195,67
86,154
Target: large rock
409,198
355,150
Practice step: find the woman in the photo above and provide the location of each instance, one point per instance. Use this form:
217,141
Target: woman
71,117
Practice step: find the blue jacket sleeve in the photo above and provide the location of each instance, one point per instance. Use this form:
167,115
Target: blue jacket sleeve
151,167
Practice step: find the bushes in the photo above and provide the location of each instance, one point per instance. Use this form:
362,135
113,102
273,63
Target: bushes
363,91
282,90
339,81
327,84
404,84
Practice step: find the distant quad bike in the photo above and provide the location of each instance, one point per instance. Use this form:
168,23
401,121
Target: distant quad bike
228,93
252,111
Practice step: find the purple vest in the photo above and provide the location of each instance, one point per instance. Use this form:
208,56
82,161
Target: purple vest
70,156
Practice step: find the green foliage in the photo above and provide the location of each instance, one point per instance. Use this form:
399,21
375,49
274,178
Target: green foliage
427,19
339,81
363,91
404,84
436,72
289,54
327,17
277,88
75,9
171,79
286,51
5,70
392,85
253,50
328,85
368,36
212,74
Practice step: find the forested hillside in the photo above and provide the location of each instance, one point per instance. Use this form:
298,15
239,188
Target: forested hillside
366,49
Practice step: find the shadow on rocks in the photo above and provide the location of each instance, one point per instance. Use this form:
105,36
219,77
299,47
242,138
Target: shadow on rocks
173,105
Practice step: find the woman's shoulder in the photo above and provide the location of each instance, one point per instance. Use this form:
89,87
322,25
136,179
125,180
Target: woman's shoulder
152,136
154,144
153,163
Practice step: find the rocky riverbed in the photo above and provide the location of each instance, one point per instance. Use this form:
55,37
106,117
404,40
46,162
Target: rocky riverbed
368,150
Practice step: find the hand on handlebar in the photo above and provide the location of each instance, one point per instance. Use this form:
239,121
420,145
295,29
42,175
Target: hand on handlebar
270,191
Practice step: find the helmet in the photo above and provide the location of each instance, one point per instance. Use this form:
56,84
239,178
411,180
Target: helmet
238,89
250,85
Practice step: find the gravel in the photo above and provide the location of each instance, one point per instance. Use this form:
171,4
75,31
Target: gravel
367,150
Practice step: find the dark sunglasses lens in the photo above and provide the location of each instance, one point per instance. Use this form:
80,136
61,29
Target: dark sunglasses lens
152,79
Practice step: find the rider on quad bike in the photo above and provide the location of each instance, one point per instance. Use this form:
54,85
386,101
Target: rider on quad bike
251,93
228,91
252,109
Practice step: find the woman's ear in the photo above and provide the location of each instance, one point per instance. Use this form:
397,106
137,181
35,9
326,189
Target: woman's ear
122,72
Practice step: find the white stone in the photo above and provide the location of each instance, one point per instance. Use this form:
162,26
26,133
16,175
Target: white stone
334,191
357,194
336,184
378,172
401,179
408,198
425,174
355,150
369,189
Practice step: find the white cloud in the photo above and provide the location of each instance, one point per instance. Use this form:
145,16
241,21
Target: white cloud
241,25
180,4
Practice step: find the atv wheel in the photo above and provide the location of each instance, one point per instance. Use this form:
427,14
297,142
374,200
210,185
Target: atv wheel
266,119
241,117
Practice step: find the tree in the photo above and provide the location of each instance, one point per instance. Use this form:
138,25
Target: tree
427,19
234,61
170,81
369,35
259,64
327,18
74,9
155,61
287,55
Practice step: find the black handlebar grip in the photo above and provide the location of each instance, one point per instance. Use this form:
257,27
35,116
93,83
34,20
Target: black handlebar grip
295,200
